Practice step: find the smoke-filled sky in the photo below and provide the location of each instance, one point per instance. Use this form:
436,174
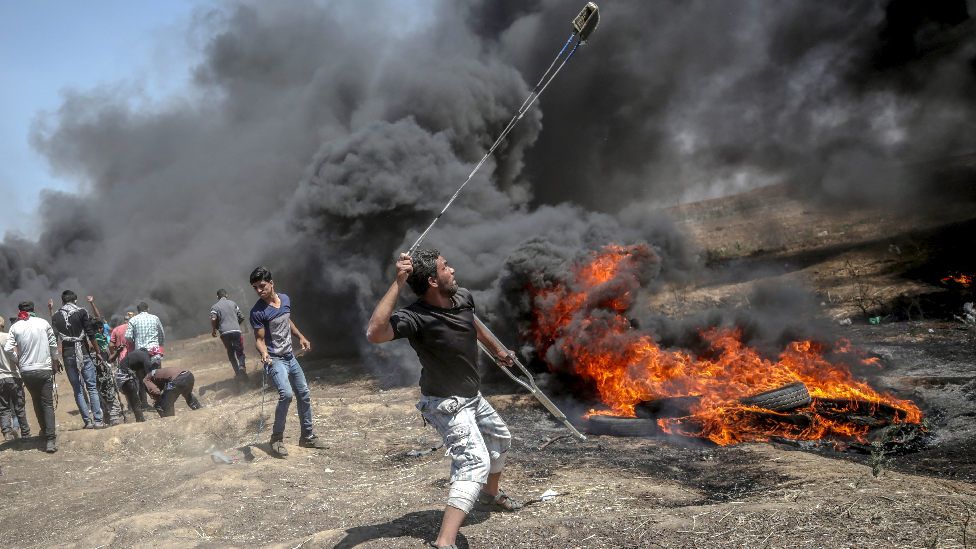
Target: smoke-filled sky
319,138
47,48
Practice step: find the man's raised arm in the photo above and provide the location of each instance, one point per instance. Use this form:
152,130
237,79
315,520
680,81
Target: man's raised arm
379,330
88,330
91,301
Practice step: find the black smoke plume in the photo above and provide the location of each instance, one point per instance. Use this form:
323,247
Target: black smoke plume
319,139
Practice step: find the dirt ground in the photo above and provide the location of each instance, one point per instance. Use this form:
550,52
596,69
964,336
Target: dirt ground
155,484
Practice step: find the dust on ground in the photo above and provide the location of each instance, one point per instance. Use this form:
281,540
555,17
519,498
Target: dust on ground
154,484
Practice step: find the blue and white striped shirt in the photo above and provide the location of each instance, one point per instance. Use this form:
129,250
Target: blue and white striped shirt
145,331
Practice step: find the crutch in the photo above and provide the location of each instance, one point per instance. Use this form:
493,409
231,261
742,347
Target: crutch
530,386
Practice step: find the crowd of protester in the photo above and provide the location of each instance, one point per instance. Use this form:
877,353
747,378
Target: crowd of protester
103,363
100,362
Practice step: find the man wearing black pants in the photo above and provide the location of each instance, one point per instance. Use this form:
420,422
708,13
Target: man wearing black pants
11,393
140,366
128,379
168,384
37,351
226,318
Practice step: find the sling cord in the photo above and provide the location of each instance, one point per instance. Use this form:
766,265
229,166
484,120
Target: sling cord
533,95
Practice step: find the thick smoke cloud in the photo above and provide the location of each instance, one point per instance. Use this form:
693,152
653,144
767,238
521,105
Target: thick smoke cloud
318,139
688,100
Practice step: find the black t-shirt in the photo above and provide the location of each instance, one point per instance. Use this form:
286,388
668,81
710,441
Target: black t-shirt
136,360
78,324
446,342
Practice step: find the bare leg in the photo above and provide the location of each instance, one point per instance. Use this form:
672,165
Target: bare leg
453,517
490,490
491,487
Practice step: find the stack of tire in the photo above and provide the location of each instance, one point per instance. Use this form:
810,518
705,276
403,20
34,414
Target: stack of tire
781,399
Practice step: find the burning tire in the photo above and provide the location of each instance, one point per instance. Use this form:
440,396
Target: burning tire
622,426
787,397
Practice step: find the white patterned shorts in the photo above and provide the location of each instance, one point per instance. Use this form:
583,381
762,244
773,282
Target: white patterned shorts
473,433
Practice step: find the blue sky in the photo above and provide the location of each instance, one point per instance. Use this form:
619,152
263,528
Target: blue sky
47,47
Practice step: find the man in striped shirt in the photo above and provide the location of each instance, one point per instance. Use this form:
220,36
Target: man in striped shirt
145,331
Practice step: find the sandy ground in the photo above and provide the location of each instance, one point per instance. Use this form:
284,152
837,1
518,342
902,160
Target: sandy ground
155,485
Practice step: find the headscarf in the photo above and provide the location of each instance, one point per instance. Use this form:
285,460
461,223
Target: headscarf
156,355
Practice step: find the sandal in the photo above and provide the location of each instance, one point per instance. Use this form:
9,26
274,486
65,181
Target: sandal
501,502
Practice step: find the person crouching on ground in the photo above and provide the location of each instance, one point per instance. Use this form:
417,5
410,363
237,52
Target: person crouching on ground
168,384
273,328
129,375
441,329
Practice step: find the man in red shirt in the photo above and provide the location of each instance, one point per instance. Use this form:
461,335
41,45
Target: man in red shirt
117,343
119,347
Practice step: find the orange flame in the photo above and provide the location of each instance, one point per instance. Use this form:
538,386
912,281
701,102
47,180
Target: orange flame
583,321
965,280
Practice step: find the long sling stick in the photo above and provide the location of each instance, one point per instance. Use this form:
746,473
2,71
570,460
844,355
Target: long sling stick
518,116
530,386
583,26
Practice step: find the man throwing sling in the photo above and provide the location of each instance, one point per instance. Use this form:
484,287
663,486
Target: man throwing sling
441,329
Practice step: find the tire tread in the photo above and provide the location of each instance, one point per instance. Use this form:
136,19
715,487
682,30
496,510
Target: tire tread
781,399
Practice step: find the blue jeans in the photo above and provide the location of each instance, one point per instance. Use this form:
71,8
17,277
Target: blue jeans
91,384
289,379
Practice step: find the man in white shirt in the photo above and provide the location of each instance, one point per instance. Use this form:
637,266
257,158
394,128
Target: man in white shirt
37,352
11,393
